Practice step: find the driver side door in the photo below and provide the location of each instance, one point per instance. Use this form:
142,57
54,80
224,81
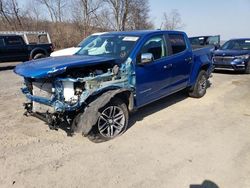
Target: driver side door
153,78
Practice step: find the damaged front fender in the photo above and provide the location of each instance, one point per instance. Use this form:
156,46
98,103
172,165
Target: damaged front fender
85,120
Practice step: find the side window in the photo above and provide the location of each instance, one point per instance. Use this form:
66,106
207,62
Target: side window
178,43
214,40
14,41
1,42
156,46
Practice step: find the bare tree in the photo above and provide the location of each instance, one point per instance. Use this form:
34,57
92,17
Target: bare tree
55,8
172,21
4,12
10,11
129,14
16,11
120,11
85,14
85,17
139,15
33,16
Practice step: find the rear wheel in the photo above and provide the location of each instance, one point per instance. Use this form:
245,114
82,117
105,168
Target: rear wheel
200,87
39,56
111,122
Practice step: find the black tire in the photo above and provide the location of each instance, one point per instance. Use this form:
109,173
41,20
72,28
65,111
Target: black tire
100,131
247,71
200,87
39,56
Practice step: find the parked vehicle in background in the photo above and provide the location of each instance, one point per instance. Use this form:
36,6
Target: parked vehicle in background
233,55
112,75
201,41
24,45
73,50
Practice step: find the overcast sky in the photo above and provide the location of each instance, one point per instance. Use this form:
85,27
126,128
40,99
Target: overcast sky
229,18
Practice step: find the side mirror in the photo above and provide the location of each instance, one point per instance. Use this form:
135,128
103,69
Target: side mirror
146,58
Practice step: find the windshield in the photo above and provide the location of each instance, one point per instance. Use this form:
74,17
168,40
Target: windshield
236,45
117,46
87,40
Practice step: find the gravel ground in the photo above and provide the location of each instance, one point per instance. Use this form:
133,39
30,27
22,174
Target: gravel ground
177,142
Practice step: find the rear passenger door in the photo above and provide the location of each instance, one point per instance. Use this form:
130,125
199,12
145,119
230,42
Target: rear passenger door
16,48
182,59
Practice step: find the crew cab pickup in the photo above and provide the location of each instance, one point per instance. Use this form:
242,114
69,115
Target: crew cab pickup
23,46
233,55
117,73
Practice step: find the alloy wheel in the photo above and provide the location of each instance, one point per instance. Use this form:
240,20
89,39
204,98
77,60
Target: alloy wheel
111,122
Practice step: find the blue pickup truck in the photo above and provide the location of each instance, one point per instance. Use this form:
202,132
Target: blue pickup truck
112,75
233,55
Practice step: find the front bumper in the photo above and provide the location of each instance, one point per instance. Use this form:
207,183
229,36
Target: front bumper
53,120
233,65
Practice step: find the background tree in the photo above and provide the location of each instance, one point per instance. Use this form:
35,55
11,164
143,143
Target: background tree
69,21
119,10
139,15
55,8
172,21
129,14
10,13
85,15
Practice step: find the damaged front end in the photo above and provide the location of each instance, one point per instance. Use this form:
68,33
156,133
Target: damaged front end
58,99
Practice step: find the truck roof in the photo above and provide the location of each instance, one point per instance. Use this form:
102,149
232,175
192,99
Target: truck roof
9,35
240,39
143,32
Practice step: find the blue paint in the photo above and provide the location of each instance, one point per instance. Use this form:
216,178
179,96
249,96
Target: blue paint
53,66
147,82
233,57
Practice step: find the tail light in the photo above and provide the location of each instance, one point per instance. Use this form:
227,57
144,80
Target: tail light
52,48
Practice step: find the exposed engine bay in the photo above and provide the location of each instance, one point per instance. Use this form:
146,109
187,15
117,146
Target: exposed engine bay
56,97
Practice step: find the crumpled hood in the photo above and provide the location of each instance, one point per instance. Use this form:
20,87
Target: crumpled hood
231,52
52,66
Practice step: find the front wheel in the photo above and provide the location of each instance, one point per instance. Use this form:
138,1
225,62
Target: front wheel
200,87
112,121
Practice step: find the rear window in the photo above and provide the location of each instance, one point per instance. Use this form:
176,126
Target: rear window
178,43
14,41
197,41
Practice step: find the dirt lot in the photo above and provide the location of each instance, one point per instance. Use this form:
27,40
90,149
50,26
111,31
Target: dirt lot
178,142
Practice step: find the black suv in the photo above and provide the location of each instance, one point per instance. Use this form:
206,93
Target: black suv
23,46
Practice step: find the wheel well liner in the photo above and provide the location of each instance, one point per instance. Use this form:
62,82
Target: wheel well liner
205,67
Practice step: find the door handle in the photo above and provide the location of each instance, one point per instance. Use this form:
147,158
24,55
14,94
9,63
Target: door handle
169,66
189,60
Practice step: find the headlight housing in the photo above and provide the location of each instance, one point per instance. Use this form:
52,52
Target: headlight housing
243,56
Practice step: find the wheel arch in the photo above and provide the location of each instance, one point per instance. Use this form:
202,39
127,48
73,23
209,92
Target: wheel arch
86,118
37,51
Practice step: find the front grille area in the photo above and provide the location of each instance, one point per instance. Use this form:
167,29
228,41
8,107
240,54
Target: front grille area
42,90
224,66
223,59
